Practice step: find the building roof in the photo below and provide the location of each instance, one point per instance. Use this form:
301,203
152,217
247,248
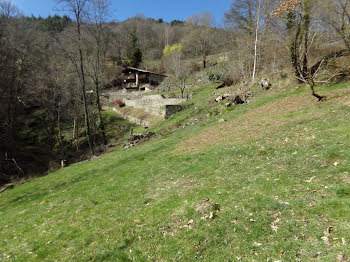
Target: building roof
139,70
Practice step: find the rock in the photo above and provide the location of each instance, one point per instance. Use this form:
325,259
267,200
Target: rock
234,100
247,97
219,98
222,97
137,138
264,84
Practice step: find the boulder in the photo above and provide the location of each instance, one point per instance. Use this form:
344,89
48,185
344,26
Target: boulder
222,97
264,84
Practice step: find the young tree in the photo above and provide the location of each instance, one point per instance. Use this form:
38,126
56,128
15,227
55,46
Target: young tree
256,39
176,66
297,17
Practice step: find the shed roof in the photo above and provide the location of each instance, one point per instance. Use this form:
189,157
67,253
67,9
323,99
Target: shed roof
139,70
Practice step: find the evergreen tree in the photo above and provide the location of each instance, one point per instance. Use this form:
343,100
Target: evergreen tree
135,52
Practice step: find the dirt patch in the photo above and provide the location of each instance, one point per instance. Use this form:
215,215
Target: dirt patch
257,123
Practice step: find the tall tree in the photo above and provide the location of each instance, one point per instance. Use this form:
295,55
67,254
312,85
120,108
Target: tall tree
199,35
241,16
99,11
135,51
78,8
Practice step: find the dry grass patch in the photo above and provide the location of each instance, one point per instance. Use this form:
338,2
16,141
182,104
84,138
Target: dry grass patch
258,122
255,124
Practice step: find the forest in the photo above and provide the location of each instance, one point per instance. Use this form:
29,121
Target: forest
53,69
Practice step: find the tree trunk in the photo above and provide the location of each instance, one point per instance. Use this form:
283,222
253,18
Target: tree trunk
312,85
101,126
256,40
59,130
83,89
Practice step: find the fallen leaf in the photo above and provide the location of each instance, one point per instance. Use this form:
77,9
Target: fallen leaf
343,241
274,228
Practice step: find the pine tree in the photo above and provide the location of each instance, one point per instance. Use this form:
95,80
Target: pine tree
135,51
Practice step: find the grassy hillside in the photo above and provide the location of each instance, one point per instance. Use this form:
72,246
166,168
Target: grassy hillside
270,183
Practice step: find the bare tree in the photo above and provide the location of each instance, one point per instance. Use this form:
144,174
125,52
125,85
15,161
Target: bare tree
78,8
100,38
241,16
7,9
200,34
338,17
176,66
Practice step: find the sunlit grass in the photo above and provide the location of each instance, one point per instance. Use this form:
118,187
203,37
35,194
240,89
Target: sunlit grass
278,194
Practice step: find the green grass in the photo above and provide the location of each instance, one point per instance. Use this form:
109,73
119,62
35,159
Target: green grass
117,129
277,193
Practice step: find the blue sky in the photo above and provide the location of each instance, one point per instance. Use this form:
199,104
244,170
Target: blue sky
166,9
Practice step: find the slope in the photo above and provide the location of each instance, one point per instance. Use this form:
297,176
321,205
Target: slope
270,183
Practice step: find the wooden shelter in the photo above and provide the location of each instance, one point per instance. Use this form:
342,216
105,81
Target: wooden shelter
139,79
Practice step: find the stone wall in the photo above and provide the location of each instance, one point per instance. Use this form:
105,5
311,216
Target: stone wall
132,119
153,104
110,97
173,109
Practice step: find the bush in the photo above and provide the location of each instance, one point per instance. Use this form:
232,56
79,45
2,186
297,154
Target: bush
214,76
230,79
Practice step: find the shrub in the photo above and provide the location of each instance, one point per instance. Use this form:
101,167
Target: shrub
214,76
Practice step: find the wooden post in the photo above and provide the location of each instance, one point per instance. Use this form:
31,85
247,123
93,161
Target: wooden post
137,80
63,163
